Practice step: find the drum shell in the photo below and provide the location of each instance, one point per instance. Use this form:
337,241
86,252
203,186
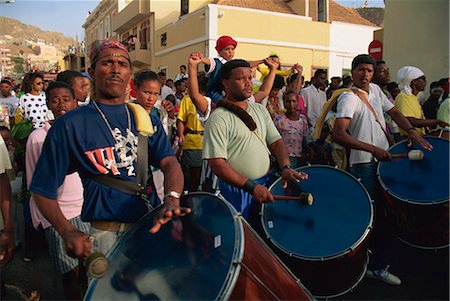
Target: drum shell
419,225
315,273
327,276
417,195
249,269
440,133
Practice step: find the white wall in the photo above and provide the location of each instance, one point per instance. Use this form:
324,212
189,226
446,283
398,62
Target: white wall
347,41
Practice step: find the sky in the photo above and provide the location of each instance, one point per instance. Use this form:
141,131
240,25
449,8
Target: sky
67,16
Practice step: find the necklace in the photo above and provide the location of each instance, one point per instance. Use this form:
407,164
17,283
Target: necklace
125,146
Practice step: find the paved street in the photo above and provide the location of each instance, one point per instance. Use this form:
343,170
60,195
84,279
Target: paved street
425,276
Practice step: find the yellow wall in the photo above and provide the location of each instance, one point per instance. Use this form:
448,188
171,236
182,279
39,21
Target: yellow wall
417,34
197,4
174,59
278,27
378,35
307,45
166,11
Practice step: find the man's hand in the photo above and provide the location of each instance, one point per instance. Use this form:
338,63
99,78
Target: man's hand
414,136
289,174
261,194
170,209
381,154
168,106
442,124
7,245
77,243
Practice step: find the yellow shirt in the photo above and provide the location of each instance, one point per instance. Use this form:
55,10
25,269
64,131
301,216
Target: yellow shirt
265,71
188,115
409,106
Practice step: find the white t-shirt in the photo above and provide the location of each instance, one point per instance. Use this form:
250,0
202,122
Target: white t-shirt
363,125
314,99
165,91
10,103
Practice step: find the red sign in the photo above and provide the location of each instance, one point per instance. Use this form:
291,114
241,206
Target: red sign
376,49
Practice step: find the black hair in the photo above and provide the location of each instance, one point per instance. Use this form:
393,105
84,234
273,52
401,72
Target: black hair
29,79
178,83
5,81
319,72
56,85
434,85
144,76
161,73
363,59
184,66
392,85
229,66
278,82
287,93
171,98
4,128
379,62
68,76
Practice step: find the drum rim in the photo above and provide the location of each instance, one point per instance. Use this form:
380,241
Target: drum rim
234,267
353,247
238,252
400,198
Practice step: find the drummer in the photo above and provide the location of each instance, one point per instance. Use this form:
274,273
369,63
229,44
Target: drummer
360,126
412,81
239,137
100,141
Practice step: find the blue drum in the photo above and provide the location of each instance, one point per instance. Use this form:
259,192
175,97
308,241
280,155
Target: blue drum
210,254
324,244
417,194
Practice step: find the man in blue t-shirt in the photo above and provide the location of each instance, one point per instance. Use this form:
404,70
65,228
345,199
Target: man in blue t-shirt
100,140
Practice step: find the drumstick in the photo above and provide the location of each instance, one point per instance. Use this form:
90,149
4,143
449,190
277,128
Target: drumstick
305,198
413,155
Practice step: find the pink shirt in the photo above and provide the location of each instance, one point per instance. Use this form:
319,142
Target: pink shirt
70,193
292,132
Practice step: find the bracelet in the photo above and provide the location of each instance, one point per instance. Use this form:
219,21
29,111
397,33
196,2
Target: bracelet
249,186
287,166
410,129
173,194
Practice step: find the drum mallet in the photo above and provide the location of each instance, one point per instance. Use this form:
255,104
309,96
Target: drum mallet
413,155
96,265
305,198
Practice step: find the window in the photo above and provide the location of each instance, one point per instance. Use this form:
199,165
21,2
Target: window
107,27
184,10
144,35
100,31
164,39
322,11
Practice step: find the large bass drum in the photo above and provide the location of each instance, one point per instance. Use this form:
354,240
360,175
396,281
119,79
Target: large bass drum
417,195
209,254
324,244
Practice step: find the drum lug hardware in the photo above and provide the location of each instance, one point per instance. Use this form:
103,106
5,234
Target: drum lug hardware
216,193
321,259
291,254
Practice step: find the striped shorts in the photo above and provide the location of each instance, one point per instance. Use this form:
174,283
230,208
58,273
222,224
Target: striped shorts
63,263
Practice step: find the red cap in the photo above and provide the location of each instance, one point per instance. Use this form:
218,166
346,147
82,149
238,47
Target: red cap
225,41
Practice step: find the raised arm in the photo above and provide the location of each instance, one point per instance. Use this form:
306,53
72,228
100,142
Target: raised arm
197,98
265,88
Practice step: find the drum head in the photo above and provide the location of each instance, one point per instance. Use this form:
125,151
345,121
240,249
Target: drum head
190,258
424,181
337,221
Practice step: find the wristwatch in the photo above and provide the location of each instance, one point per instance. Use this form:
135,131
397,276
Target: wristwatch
173,194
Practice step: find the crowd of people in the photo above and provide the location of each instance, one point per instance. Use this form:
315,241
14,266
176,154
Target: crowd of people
98,150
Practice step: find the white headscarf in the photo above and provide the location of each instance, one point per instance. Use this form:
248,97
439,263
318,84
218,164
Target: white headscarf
406,75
